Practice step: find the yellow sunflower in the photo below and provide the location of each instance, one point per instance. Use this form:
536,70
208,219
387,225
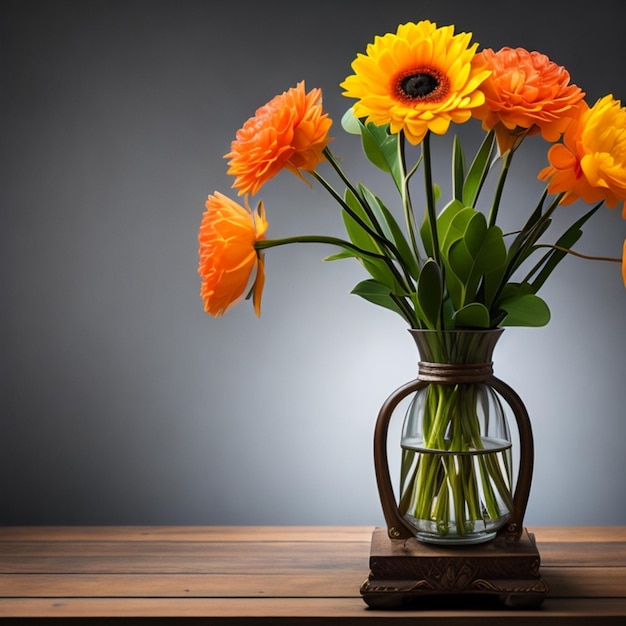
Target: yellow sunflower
421,78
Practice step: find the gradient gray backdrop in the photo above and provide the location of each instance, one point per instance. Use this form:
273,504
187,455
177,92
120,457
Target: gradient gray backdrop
122,402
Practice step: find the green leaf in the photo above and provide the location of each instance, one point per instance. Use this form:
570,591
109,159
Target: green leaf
377,215
391,230
522,248
359,235
345,254
524,309
473,315
478,170
443,221
377,293
358,223
493,283
429,295
534,217
379,146
407,257
458,169
523,244
470,250
456,227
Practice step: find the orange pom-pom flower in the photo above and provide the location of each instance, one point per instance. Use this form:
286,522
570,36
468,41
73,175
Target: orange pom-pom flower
526,93
289,132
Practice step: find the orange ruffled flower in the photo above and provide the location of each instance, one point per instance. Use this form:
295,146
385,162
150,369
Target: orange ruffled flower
289,132
418,79
525,94
591,162
229,261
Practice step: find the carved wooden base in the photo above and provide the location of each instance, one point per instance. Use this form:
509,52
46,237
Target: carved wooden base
405,573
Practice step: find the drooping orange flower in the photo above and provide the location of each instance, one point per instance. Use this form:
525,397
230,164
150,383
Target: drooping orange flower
289,132
418,79
526,93
229,263
591,162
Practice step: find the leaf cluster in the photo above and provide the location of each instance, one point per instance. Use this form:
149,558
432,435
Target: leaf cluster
456,269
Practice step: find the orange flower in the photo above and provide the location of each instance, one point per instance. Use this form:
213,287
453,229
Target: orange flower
591,162
525,94
289,132
229,261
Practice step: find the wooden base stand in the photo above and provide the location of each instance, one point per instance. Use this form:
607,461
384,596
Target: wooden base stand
405,573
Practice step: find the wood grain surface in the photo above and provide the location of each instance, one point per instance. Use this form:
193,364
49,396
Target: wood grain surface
270,575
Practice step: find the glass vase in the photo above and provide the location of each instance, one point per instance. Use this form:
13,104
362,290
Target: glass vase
456,471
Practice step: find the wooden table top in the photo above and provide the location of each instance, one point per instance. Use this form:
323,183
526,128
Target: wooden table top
271,575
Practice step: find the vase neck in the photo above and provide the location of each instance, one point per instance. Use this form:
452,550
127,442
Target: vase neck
456,347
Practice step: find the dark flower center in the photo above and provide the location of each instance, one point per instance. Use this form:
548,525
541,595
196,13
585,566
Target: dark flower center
419,85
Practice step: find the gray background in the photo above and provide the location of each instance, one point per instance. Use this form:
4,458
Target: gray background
122,402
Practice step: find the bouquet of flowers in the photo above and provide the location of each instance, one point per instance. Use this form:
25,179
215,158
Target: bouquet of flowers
441,264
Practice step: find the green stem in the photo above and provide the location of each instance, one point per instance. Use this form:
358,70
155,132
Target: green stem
407,480
430,198
403,281
380,238
375,230
471,489
457,481
526,238
407,312
409,214
263,244
335,165
580,255
428,485
506,166
432,214
455,478
444,407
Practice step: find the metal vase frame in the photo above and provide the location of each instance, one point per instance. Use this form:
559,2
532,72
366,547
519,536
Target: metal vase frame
452,374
